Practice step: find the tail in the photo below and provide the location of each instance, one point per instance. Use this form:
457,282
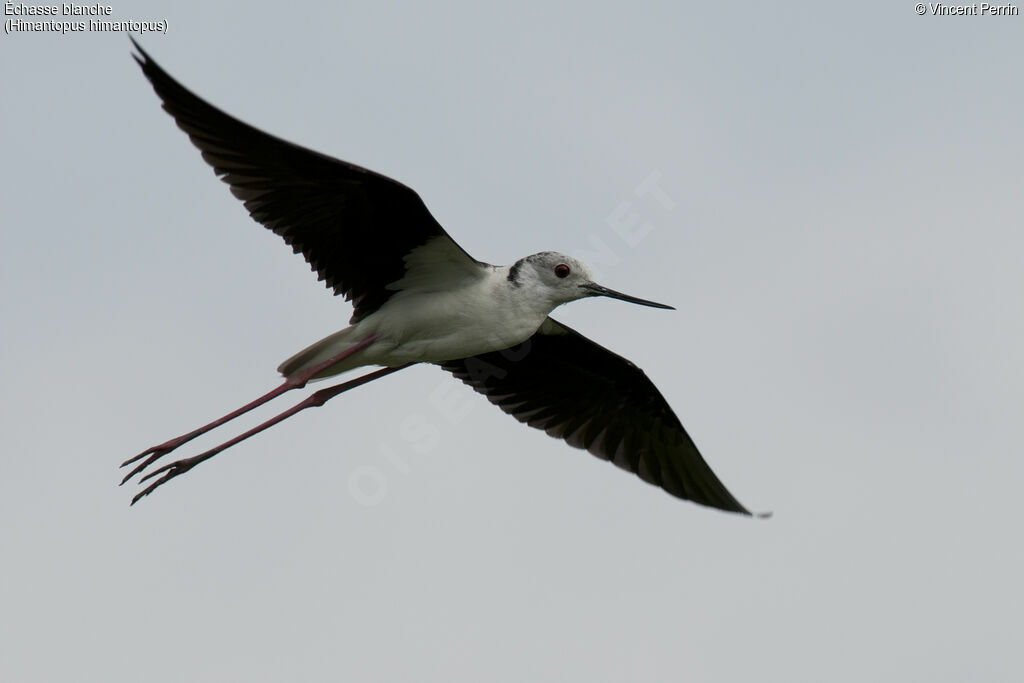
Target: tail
318,352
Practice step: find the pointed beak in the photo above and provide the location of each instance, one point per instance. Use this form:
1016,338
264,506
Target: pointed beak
597,290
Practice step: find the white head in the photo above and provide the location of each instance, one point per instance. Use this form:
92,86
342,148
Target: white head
558,279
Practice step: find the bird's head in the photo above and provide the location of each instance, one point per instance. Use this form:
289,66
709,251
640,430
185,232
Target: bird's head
559,279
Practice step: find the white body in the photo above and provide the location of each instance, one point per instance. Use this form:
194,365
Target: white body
447,308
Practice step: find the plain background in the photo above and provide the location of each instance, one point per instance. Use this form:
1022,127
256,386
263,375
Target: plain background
842,241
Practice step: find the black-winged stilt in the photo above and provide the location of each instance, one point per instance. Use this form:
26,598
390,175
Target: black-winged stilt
420,298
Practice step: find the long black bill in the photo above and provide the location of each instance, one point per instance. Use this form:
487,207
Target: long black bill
598,290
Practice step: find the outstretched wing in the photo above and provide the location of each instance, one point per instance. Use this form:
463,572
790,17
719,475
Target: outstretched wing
576,390
356,228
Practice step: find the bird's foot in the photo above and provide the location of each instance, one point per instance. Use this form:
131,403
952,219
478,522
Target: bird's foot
171,471
154,453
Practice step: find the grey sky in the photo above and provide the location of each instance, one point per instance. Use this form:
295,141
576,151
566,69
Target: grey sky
843,245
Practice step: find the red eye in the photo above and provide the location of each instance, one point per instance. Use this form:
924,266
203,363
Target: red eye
561,270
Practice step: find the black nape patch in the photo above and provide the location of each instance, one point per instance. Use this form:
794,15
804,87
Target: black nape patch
513,272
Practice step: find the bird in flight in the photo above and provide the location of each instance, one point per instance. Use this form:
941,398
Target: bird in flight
418,297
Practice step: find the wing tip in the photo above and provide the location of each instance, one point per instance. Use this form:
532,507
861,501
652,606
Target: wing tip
739,509
143,56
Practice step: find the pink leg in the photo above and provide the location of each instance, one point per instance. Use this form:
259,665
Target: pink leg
294,382
315,400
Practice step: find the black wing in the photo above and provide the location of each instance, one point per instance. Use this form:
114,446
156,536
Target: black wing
573,389
353,226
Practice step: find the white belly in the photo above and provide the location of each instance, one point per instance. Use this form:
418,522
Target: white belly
439,327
